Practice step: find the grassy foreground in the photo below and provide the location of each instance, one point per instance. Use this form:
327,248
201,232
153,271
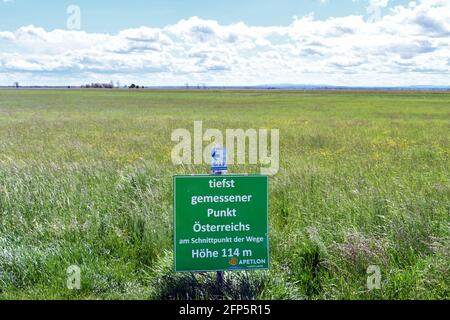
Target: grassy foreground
85,179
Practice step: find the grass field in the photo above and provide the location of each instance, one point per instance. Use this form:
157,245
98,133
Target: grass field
85,179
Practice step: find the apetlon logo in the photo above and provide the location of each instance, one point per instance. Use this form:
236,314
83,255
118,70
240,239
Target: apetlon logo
244,146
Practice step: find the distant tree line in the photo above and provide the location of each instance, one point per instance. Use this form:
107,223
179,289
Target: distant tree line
109,86
134,86
99,86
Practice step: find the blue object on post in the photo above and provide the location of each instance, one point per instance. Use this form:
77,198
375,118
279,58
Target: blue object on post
219,163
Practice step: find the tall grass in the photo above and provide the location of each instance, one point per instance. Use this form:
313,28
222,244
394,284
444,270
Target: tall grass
85,179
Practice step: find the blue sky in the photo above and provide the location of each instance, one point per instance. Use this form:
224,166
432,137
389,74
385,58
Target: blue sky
112,16
245,42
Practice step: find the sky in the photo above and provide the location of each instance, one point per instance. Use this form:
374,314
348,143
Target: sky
246,42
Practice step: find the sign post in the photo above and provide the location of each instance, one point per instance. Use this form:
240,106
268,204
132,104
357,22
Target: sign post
221,223
219,166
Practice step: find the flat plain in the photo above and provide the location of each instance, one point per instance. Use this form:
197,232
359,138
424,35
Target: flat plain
86,180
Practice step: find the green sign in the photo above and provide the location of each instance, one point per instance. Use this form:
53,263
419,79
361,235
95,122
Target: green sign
221,223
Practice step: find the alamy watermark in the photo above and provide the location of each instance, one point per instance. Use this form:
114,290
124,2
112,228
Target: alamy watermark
74,19
374,278
244,146
374,10
73,277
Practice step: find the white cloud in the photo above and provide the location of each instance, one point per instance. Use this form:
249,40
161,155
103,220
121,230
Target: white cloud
409,45
379,3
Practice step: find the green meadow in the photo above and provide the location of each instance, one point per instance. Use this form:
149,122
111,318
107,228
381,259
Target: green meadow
86,180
